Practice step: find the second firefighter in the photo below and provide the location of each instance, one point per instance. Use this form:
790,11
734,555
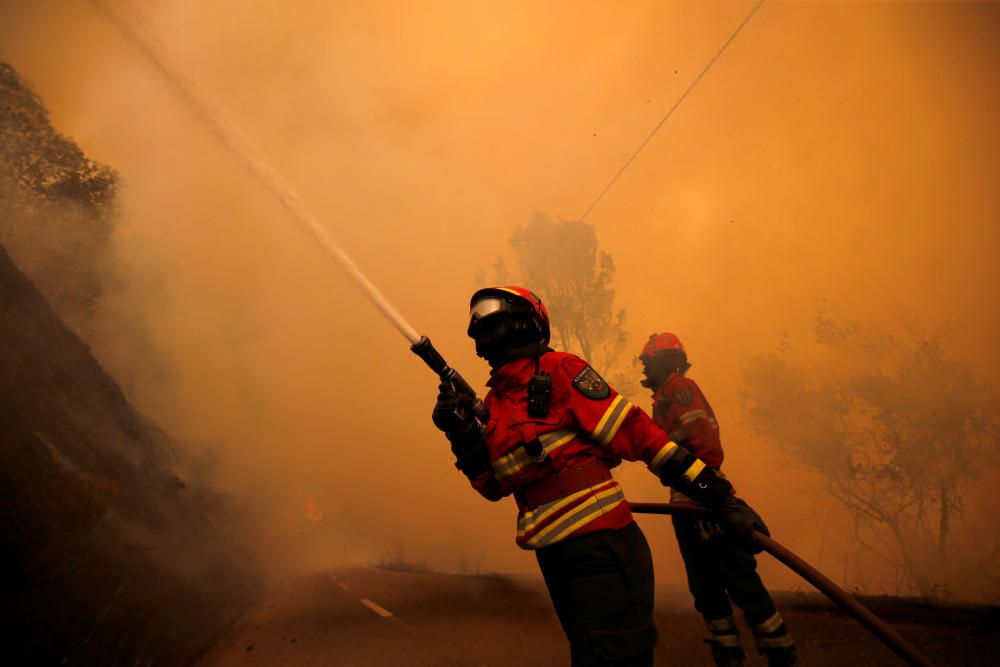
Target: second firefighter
719,567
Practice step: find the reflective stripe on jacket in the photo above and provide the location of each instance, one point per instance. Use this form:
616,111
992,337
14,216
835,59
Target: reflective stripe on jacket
587,423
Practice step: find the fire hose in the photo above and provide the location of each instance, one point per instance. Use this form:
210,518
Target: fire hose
835,593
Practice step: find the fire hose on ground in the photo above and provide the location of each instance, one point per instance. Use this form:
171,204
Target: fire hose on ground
835,593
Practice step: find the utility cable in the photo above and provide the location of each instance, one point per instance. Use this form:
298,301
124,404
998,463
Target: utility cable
672,109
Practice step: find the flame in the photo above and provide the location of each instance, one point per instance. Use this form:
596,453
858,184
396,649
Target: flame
311,512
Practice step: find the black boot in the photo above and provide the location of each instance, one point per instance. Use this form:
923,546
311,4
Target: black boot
726,656
774,642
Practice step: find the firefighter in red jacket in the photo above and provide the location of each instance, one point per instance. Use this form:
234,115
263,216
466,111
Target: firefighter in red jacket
718,569
554,431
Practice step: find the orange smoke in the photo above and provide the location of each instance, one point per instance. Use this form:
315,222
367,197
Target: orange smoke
840,152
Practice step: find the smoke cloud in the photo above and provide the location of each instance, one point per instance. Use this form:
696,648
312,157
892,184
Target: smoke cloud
841,154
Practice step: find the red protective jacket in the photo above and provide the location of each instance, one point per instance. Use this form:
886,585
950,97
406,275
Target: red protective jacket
682,411
557,466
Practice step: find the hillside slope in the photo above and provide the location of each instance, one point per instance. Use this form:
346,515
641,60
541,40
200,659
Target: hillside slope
108,558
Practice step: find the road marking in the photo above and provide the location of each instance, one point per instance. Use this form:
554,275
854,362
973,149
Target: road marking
344,586
385,613
378,609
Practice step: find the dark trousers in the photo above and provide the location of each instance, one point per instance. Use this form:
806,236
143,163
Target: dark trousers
719,571
601,585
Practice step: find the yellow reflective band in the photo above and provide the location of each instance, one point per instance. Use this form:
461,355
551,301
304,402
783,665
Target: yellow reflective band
607,413
721,624
689,417
769,625
556,438
725,640
511,463
616,423
604,502
694,469
531,517
662,456
611,421
600,503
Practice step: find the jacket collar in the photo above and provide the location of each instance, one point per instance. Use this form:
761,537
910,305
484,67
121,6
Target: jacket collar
664,387
511,373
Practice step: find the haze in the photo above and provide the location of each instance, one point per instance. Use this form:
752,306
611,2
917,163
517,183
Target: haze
837,153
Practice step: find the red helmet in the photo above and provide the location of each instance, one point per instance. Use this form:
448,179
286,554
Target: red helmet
509,299
660,344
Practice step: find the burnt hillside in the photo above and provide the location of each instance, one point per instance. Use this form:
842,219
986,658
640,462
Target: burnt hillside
108,557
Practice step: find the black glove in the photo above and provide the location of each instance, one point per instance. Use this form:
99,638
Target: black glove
453,415
472,456
707,488
734,518
735,522
453,411
740,521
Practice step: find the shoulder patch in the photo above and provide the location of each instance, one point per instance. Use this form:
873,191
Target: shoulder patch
684,396
591,384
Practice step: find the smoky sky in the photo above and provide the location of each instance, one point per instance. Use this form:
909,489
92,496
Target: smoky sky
843,154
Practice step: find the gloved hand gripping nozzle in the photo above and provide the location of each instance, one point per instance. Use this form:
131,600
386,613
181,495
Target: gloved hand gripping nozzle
458,412
424,349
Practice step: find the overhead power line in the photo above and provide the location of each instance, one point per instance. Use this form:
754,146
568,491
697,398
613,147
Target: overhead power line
672,109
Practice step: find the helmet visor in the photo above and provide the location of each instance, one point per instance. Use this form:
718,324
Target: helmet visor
485,307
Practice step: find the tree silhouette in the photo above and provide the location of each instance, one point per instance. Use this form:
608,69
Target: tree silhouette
561,261
899,431
57,207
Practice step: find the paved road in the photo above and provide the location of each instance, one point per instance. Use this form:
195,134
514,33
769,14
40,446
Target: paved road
372,617
367,616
